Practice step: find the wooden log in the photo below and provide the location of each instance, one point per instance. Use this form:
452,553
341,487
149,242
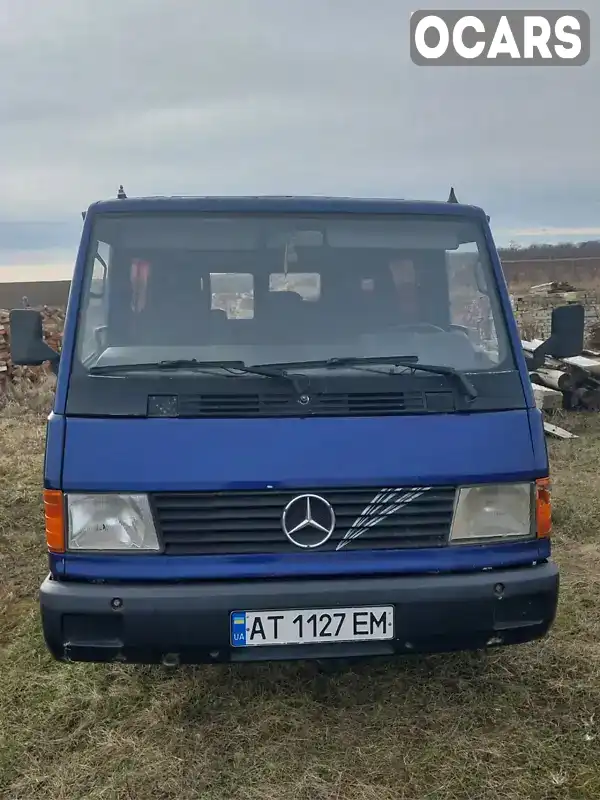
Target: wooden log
586,363
554,379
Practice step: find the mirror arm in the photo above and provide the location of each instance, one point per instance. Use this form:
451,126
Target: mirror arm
537,358
54,362
47,354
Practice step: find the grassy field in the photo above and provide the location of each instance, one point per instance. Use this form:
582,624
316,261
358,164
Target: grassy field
513,723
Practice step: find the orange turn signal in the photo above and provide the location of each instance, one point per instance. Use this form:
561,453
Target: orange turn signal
54,513
543,508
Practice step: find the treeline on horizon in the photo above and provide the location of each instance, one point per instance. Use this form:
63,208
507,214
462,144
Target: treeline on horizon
531,252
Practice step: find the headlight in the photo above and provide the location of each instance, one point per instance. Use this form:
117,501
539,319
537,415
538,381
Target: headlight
494,512
108,522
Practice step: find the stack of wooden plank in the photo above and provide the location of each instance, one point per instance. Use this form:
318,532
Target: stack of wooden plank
571,384
568,383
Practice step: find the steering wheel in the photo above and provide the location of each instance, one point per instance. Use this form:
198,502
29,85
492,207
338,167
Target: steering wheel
424,327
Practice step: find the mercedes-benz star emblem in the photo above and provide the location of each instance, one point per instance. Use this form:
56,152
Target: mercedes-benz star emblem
308,521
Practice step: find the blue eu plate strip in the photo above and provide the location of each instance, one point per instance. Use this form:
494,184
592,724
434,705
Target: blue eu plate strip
238,629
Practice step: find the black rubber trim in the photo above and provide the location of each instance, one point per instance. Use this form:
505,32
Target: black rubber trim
106,396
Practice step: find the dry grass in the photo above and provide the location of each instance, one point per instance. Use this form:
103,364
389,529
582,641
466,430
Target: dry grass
515,723
583,274
23,396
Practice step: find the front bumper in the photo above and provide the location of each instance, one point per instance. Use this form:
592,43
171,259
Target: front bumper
189,622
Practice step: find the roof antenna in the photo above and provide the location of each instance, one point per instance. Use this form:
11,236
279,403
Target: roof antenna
452,197
121,193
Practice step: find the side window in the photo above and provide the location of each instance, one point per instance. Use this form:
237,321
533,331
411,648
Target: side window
96,311
233,293
100,271
470,306
306,284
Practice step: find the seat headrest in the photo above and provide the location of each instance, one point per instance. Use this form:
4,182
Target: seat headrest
286,299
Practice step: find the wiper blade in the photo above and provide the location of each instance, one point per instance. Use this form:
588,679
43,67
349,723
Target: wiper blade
267,371
413,363
409,361
457,375
174,364
349,361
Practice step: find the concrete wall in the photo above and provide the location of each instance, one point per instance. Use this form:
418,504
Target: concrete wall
533,313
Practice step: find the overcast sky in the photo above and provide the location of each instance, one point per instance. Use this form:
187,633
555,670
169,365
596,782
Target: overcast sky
276,96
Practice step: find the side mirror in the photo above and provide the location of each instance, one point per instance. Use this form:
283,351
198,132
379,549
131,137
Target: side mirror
566,335
567,331
27,345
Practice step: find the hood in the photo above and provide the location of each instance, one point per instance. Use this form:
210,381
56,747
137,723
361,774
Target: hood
220,454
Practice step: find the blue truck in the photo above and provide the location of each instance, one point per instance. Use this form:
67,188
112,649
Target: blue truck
292,428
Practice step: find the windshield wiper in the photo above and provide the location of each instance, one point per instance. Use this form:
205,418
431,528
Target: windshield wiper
175,364
413,363
410,362
267,371
281,370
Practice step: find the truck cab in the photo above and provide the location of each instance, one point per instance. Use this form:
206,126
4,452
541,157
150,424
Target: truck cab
291,428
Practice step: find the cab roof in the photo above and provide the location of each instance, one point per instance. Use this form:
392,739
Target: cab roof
283,204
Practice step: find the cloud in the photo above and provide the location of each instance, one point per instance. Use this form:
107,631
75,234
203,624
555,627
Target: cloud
306,96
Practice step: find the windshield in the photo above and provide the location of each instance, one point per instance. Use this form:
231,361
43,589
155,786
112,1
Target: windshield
261,289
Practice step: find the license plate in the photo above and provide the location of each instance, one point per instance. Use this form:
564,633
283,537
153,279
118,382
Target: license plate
255,628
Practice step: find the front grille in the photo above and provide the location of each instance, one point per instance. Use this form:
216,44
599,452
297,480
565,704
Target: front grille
245,522
286,404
